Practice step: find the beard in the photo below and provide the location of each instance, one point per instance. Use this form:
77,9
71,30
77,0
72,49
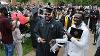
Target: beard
78,23
48,18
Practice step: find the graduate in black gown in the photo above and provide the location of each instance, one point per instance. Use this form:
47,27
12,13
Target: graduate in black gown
46,30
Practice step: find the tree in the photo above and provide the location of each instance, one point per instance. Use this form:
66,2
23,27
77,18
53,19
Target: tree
22,1
79,2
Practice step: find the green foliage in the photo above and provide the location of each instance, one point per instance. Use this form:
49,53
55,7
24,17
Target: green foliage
9,0
45,1
79,2
22,1
27,46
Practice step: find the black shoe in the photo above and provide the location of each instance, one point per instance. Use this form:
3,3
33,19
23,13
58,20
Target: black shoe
94,43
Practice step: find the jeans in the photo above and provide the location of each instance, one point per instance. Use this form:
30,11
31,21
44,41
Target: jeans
9,49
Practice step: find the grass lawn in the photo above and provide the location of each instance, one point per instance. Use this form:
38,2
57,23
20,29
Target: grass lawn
27,47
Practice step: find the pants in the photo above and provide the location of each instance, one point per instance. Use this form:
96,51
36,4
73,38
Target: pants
9,49
97,52
19,50
34,41
86,20
45,51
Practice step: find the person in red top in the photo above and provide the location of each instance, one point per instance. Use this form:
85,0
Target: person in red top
6,32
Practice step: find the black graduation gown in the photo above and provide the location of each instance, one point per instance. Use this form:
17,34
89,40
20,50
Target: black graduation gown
33,22
47,30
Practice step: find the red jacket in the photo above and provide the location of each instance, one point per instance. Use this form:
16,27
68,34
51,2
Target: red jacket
6,30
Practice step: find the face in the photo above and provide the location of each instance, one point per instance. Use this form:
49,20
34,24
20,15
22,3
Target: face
98,21
48,16
77,19
0,14
70,10
59,13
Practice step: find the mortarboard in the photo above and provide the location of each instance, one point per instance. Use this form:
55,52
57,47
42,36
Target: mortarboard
59,9
48,9
34,10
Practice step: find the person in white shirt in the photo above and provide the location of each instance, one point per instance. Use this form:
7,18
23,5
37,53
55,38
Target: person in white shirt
97,53
74,46
17,38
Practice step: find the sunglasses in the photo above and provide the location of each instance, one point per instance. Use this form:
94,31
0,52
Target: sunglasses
77,17
47,14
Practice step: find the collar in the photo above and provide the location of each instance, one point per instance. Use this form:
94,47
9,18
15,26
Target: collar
49,21
81,26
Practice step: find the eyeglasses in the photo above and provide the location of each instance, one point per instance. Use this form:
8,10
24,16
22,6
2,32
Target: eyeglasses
77,17
48,14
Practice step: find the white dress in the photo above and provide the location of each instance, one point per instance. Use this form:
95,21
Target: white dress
17,39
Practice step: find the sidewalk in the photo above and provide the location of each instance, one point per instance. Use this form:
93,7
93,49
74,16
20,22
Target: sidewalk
32,53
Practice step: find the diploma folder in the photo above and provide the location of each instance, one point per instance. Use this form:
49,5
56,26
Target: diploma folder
76,32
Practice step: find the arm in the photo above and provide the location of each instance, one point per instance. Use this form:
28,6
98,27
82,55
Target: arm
64,40
0,33
0,36
60,30
8,25
36,32
19,36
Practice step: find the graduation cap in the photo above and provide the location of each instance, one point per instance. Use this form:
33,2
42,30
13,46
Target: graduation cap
76,32
34,10
48,9
49,3
41,11
59,9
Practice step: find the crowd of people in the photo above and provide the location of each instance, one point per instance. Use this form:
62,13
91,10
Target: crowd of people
49,24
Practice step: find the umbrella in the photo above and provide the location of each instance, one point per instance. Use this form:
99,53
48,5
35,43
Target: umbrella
22,19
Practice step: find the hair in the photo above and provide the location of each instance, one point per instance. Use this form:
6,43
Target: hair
4,11
82,17
79,14
73,10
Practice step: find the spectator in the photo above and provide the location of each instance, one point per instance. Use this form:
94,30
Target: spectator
6,32
33,21
17,37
